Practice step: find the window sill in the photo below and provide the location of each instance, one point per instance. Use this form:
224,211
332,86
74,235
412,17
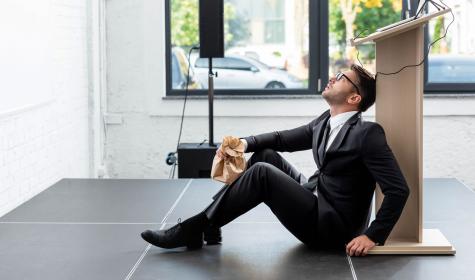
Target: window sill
304,96
435,104
246,97
449,95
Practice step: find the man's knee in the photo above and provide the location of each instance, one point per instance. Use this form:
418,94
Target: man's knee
262,165
265,155
260,169
259,173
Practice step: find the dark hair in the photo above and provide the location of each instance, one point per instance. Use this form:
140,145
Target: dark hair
367,87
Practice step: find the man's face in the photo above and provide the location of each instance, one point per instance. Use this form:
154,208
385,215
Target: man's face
338,92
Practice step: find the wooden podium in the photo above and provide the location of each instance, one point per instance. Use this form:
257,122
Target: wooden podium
399,110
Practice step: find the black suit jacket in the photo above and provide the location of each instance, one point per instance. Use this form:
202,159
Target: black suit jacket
346,176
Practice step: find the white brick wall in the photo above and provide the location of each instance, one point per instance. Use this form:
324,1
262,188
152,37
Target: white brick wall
48,141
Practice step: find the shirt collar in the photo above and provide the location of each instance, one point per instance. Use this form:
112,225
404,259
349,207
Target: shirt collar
341,118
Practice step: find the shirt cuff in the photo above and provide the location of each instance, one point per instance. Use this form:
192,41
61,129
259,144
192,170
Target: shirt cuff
245,143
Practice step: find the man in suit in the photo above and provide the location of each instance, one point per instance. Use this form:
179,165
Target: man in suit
332,207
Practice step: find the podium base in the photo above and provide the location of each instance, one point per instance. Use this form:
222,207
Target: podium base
433,243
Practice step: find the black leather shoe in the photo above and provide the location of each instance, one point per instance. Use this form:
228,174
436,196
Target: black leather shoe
176,236
212,235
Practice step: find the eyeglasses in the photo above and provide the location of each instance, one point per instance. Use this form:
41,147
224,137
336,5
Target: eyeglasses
338,77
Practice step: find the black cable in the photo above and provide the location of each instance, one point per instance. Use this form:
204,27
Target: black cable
203,142
425,55
358,51
417,6
426,3
195,47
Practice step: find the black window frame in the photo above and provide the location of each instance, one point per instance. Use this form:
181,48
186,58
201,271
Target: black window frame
318,58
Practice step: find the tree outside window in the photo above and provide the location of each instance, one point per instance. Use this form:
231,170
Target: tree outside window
349,18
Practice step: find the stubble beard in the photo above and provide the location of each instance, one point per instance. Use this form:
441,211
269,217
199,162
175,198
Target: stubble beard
333,99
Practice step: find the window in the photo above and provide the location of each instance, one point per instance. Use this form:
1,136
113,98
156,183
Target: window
450,66
451,62
293,46
271,47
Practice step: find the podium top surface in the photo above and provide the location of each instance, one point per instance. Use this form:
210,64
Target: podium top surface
398,29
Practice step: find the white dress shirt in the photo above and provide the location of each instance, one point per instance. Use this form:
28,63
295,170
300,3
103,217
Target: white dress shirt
336,123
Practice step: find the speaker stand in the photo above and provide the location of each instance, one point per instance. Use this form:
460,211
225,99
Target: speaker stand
210,101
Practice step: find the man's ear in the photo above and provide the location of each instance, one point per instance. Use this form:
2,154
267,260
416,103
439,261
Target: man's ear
354,99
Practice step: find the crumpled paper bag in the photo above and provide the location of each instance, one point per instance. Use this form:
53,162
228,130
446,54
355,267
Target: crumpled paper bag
228,170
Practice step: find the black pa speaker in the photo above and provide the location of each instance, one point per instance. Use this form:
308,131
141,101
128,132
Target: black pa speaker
211,28
195,160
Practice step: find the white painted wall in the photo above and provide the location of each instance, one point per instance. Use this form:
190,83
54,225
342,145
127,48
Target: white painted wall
44,128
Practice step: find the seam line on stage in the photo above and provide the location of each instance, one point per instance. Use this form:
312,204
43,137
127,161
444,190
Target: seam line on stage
132,271
99,223
78,223
353,273
469,188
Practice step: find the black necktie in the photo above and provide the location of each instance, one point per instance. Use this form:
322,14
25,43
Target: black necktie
323,143
326,135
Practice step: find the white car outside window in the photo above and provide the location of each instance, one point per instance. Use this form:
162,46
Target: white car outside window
241,72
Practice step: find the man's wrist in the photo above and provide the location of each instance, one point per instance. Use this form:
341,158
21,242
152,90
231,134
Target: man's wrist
375,243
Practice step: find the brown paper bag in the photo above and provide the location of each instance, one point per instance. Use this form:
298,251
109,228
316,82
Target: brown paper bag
228,170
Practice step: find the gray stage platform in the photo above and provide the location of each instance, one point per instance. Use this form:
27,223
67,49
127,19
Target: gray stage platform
90,229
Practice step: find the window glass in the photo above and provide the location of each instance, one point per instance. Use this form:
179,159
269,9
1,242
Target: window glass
218,63
176,75
275,31
452,59
238,64
179,66
268,38
357,17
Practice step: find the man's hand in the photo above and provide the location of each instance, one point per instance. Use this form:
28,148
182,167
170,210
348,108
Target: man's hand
359,246
221,154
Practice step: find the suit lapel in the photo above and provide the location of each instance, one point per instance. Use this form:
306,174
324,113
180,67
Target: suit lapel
341,135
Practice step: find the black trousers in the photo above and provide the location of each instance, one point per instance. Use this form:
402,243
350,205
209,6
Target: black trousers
272,180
